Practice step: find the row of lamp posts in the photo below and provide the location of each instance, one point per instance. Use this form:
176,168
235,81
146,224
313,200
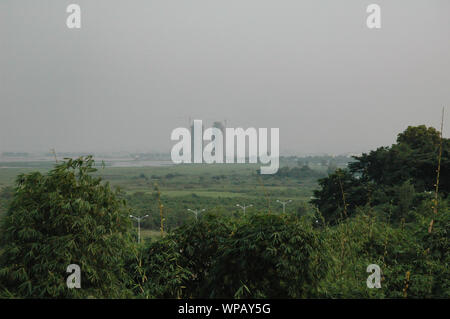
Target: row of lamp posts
196,212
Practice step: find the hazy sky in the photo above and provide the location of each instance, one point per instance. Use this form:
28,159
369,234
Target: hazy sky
138,69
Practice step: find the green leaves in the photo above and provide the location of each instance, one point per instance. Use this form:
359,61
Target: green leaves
397,172
257,256
65,216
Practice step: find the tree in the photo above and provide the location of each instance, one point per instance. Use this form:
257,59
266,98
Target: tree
386,173
414,157
420,138
365,239
339,194
269,256
64,217
6,194
179,264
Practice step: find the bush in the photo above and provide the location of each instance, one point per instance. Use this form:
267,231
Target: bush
407,248
269,256
64,217
179,264
259,256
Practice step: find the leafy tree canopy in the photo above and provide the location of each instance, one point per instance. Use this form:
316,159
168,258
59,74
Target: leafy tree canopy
413,159
260,255
64,217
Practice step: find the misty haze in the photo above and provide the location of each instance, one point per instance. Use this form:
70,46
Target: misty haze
257,150
137,70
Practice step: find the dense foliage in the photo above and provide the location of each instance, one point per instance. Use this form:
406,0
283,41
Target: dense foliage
414,262
383,175
414,157
298,172
6,195
64,217
383,209
260,256
270,256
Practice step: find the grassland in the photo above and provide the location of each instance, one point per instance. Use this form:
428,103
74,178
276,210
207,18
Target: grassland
216,187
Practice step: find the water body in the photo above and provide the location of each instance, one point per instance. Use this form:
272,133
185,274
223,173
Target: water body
108,163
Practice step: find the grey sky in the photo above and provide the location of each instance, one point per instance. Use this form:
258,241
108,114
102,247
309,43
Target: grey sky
138,69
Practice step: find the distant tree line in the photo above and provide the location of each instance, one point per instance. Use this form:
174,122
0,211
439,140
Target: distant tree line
403,175
362,217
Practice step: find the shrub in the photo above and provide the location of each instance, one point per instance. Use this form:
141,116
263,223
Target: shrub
64,217
269,256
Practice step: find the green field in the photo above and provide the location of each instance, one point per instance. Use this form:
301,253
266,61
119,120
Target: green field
383,209
214,187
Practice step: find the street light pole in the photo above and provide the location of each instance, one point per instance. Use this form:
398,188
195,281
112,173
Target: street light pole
284,204
139,225
196,212
244,207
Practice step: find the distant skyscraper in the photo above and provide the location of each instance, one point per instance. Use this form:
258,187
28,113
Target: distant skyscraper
221,127
192,140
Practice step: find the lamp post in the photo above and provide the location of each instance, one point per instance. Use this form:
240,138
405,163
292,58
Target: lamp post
284,204
139,225
244,207
196,212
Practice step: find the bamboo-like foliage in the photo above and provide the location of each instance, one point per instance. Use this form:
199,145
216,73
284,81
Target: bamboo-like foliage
160,207
64,217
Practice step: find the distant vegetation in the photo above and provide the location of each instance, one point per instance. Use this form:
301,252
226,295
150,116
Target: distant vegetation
400,177
58,219
389,207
